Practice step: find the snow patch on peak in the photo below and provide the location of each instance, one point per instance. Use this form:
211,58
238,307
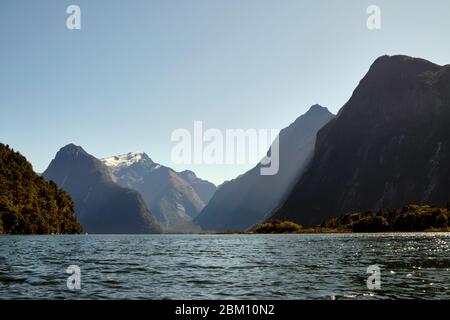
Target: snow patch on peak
126,160
156,167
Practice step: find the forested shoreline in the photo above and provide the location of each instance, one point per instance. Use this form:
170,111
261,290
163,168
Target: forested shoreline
28,203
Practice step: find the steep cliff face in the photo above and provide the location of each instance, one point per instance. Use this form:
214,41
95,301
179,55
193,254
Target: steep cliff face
389,145
101,205
251,197
175,198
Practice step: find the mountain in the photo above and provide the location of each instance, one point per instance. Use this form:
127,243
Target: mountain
241,203
28,203
101,205
203,188
174,198
389,146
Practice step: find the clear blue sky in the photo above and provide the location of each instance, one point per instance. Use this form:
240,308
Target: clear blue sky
140,69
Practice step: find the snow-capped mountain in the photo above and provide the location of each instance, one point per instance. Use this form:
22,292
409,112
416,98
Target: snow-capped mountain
174,198
127,160
101,205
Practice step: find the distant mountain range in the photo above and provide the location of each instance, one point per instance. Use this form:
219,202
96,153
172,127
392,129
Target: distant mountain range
388,146
101,205
250,198
174,198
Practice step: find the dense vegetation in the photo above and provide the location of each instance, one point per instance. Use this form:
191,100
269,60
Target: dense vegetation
102,206
408,218
278,227
29,204
411,218
386,149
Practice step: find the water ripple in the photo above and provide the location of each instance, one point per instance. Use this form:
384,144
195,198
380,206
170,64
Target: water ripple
226,266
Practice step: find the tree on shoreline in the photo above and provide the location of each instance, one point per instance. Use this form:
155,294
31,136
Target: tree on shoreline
29,204
407,219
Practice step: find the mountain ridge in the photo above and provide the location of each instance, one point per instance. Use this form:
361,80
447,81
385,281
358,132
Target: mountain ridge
387,147
101,205
175,198
247,200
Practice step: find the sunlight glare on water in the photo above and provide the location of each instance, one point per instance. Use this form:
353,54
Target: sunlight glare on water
226,266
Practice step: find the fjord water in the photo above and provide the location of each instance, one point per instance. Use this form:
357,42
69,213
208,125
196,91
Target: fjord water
226,266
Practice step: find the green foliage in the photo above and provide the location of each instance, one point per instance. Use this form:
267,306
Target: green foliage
371,224
409,218
28,203
278,227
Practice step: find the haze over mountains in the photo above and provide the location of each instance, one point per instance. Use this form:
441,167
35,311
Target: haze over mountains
101,205
250,198
388,146
174,198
